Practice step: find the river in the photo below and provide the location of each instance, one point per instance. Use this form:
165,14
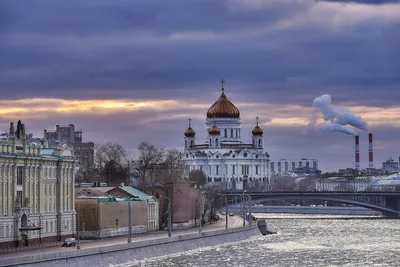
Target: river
303,240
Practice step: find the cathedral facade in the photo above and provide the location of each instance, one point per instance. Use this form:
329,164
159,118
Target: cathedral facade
224,157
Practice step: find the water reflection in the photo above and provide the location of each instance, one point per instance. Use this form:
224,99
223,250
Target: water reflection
304,240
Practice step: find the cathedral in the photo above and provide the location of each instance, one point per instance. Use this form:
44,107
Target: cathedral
224,158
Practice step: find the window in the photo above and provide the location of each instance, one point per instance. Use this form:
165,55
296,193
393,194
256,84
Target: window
233,169
259,142
245,169
225,133
217,169
256,169
19,175
232,133
45,190
216,142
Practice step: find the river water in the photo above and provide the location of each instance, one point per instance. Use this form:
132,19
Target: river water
303,240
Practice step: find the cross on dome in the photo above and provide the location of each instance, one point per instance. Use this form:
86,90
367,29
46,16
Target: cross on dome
257,118
190,122
222,84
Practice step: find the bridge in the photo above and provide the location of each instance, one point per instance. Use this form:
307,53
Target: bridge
386,202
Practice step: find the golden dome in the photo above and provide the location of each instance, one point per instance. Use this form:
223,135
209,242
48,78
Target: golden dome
257,130
189,131
214,130
223,108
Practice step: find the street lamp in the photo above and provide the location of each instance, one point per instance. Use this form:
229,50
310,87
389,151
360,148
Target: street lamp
169,215
129,222
226,210
249,207
78,244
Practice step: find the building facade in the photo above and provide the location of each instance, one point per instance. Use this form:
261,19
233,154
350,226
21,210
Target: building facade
83,151
224,157
286,166
390,166
36,190
185,205
152,215
107,216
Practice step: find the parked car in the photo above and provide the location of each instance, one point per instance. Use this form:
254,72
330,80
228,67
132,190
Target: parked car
231,214
69,242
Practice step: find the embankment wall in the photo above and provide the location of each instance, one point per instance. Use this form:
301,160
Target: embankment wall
124,253
310,210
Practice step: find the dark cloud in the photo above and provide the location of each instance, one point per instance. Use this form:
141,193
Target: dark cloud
103,49
369,2
272,51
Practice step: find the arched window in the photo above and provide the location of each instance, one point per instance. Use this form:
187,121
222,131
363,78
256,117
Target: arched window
210,142
232,133
191,143
216,142
226,133
185,143
259,143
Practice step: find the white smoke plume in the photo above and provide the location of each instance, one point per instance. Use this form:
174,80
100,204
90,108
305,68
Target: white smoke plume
337,119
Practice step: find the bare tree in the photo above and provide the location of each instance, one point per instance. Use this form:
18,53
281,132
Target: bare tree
149,164
283,183
198,178
112,163
211,199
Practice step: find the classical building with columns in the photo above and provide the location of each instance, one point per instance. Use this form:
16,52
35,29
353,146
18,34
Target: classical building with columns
36,190
224,157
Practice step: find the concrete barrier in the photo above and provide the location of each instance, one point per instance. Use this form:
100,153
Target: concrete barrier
124,253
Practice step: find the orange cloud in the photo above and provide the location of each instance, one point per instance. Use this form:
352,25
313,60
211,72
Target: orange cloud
270,114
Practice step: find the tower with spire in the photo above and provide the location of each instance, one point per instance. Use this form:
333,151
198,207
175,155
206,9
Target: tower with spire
190,136
257,136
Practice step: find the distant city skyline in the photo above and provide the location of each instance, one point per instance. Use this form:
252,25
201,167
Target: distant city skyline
132,71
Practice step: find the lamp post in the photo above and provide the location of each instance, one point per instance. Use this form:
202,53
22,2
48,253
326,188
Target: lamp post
201,221
226,210
249,207
78,244
169,216
129,222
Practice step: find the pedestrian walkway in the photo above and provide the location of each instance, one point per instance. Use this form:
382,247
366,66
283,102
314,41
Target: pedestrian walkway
233,222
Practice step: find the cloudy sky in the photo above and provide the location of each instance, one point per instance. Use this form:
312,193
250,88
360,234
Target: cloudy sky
134,70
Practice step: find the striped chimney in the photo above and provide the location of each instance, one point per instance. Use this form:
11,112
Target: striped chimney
370,151
357,150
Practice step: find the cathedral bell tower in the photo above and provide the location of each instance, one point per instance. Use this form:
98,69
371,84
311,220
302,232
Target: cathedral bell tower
257,132
214,134
190,136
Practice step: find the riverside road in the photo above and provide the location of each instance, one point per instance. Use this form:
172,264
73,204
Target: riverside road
233,222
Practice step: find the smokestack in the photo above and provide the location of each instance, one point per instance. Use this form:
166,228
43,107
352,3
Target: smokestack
370,152
357,150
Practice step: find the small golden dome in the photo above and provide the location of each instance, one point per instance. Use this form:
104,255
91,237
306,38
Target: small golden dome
214,130
189,131
257,130
223,108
